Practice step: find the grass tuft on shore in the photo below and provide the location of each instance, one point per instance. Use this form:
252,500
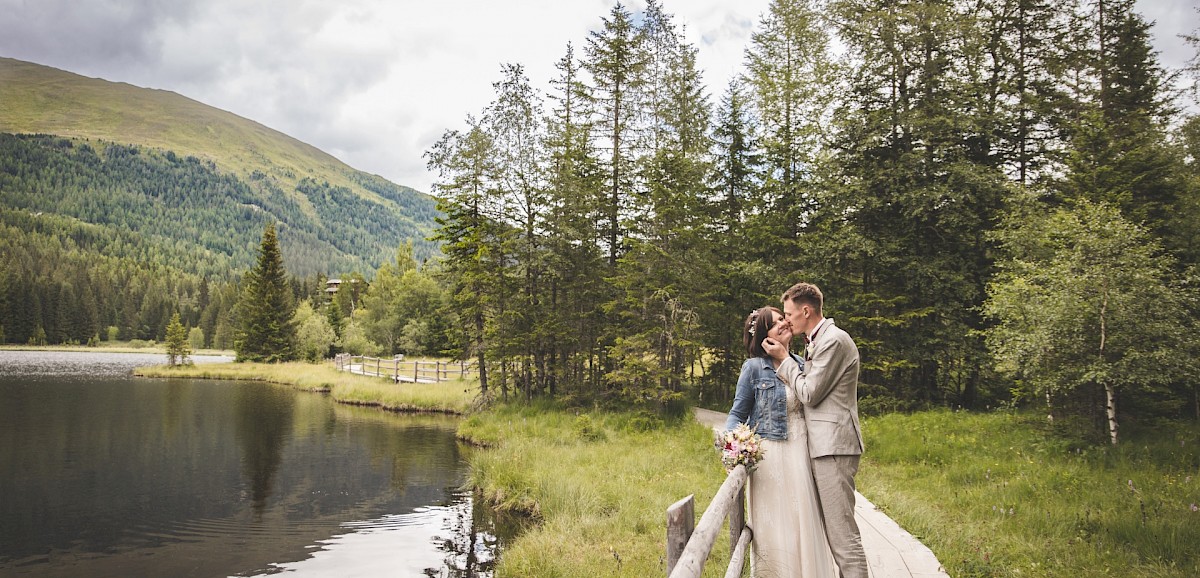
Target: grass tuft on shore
599,482
1002,495
454,396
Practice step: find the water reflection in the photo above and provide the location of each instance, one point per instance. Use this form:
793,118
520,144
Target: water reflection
262,422
465,536
472,539
115,476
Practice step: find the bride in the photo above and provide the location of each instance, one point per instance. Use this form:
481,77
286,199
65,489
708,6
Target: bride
789,534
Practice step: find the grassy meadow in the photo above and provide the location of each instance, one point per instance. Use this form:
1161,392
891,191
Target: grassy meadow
995,495
1001,495
599,484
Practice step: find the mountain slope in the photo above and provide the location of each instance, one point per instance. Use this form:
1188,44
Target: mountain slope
182,174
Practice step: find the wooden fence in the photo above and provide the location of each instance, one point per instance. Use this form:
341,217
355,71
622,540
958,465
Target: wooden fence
688,548
399,370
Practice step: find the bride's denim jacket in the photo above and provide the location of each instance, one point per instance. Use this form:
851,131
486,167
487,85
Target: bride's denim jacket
761,400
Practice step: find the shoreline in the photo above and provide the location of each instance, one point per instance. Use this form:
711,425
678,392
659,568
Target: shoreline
157,349
452,397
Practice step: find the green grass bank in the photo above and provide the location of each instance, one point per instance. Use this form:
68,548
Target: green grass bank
454,396
598,482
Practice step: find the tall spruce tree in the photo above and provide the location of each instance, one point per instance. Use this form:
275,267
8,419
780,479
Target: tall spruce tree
470,233
576,270
662,278
617,61
266,330
1118,152
915,198
516,124
792,76
736,184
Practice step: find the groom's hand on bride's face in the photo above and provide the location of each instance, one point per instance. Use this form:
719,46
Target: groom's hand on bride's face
775,349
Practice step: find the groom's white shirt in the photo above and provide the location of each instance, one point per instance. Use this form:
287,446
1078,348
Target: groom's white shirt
828,388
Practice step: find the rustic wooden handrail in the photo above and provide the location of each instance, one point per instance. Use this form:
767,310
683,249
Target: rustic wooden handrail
397,370
687,550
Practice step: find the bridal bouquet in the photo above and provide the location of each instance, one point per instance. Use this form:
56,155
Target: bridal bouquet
739,445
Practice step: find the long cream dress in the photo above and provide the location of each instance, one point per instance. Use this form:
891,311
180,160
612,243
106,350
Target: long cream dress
789,534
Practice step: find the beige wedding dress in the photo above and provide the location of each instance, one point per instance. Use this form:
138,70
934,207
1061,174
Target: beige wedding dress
789,533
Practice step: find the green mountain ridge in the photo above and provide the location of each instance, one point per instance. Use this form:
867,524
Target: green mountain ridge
196,181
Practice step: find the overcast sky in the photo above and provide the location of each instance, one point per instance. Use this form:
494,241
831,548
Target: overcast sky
374,82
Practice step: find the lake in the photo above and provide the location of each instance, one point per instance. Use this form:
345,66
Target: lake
104,474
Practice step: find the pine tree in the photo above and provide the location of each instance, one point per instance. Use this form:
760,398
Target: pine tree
179,350
266,331
574,238
617,62
903,234
1118,149
662,279
470,231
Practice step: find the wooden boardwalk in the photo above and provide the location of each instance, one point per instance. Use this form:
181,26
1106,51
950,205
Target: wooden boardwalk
360,369
399,370
891,552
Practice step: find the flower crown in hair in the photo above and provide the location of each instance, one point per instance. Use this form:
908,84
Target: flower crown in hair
753,322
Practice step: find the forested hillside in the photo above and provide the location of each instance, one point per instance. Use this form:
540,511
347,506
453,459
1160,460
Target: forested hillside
134,199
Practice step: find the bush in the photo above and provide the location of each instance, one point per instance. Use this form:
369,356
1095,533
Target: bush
196,338
587,430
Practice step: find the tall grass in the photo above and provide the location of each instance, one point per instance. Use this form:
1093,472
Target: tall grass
1003,495
454,396
599,483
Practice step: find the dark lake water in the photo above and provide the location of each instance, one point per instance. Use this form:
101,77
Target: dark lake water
103,474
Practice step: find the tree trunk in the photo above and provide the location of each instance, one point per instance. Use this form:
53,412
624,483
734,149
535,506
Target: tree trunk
482,358
1111,407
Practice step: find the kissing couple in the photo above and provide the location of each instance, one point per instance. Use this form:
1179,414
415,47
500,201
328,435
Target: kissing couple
805,408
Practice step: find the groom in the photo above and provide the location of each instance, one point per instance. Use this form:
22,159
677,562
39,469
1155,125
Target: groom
828,388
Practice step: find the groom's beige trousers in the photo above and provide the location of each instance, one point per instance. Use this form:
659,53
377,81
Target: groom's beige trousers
835,489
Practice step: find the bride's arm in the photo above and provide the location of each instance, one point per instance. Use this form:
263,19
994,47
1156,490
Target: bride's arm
743,400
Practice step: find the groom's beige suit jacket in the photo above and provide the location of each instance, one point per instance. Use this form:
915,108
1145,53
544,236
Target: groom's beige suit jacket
828,388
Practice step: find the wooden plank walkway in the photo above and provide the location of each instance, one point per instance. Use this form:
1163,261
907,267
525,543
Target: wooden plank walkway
891,551
361,370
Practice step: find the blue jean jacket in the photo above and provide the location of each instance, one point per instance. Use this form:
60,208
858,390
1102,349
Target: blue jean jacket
761,400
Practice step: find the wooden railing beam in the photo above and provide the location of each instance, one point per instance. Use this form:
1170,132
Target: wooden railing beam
691,562
737,557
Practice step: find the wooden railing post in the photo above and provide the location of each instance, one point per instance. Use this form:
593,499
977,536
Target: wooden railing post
681,520
737,519
729,498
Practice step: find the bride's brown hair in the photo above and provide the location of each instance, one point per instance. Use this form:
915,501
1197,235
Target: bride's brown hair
754,331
